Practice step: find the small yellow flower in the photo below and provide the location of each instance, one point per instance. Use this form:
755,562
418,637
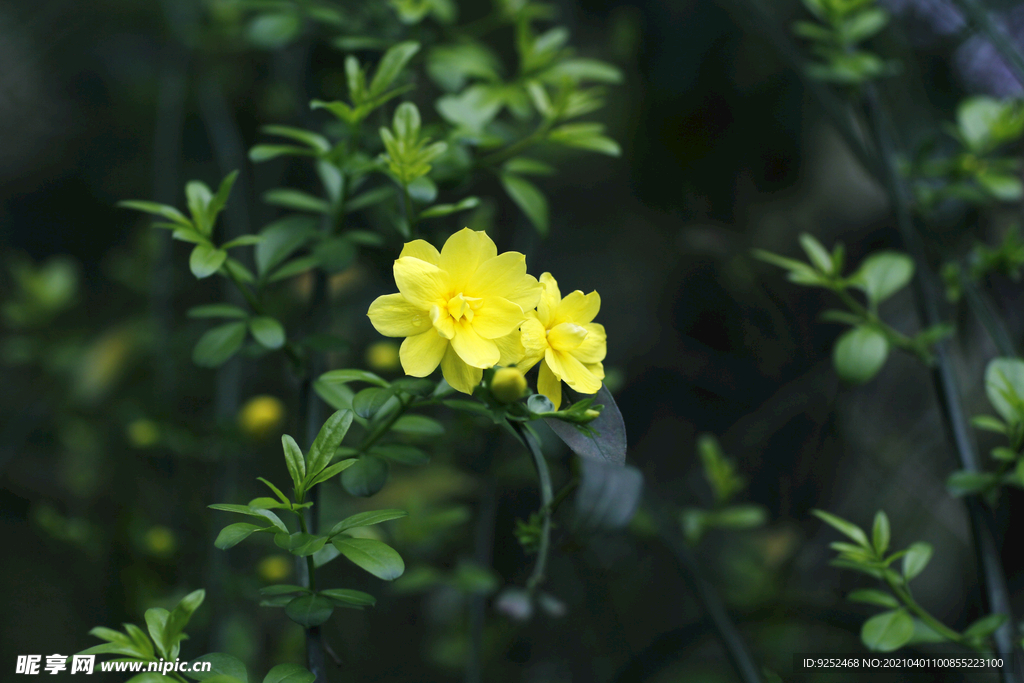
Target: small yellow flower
382,356
275,567
143,433
561,336
508,384
459,308
261,416
160,541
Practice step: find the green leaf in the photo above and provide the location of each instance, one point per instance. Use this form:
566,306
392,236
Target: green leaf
859,354
273,31
585,70
528,198
420,425
344,376
206,260
366,519
220,200
199,198
148,677
216,346
281,239
295,462
401,453
309,610
294,267
738,517
917,558
233,534
608,494
267,331
162,210
221,664
989,424
976,119
391,64
607,437
295,199
1002,186
327,441
873,597
156,621
300,544
986,626
472,109
283,589
314,141
1004,385
289,673
349,598
527,166
277,492
880,533
338,396
848,529
217,311
585,136
267,152
964,483
366,477
448,209
883,274
369,401
887,631
330,471
373,556
334,254
864,24
818,255
369,198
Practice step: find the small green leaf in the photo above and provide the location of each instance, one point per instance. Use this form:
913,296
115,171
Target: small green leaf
327,441
314,141
887,631
964,483
917,558
267,331
850,530
349,598
366,477
989,424
883,274
366,519
373,556
330,471
531,200
297,200
281,239
873,597
447,209
232,535
309,610
217,311
391,64
419,425
1004,385
880,533
162,210
859,354
818,255
299,543
295,462
369,401
986,626
206,260
216,346
267,152
283,589
345,376
289,673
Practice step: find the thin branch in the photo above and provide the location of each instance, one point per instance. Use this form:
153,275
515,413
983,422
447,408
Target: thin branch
546,497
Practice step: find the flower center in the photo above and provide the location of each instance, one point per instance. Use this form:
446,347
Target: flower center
460,307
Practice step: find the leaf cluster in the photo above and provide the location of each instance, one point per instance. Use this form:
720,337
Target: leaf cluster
725,482
836,36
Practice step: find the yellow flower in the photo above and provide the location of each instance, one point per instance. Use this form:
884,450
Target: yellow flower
382,356
568,345
459,308
261,416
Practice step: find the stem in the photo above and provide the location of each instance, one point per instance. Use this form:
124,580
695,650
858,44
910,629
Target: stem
517,147
408,209
310,565
993,580
546,498
923,614
982,19
384,427
895,337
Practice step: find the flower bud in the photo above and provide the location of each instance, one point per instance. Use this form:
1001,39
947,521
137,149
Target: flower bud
508,385
261,416
591,414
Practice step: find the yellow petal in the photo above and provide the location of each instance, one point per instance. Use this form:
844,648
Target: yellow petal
505,276
442,322
421,354
535,337
462,377
495,317
550,298
511,349
421,283
472,348
596,368
594,347
572,372
463,253
421,249
393,316
530,358
578,308
566,336
549,385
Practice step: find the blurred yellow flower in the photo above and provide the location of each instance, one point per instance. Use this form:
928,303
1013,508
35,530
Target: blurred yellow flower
261,416
160,541
143,433
561,336
382,356
459,308
275,567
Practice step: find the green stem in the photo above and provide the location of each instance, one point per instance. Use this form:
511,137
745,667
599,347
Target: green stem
384,427
934,624
517,147
896,338
547,500
289,348
310,565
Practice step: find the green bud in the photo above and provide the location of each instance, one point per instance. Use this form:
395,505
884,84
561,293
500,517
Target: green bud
508,385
